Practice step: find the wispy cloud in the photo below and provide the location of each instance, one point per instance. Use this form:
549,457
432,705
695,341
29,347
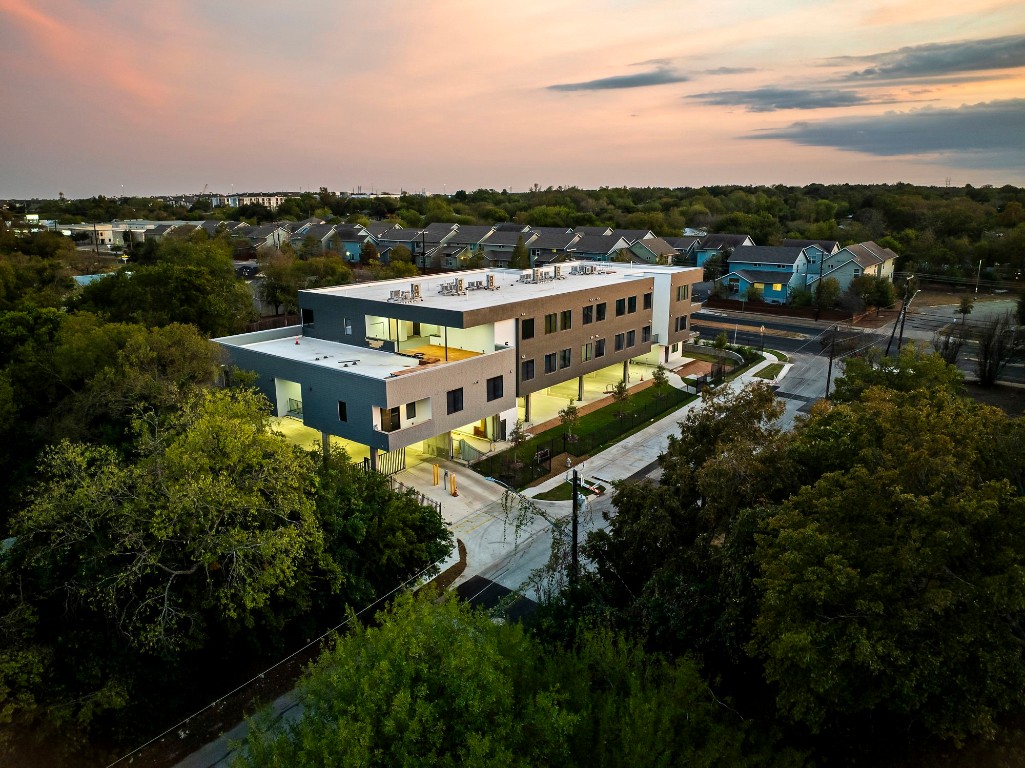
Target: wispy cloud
659,76
939,59
981,135
728,71
772,99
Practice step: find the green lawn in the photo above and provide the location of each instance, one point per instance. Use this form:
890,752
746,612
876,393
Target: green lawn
781,355
564,492
770,371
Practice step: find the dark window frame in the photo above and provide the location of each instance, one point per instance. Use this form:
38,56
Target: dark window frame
454,400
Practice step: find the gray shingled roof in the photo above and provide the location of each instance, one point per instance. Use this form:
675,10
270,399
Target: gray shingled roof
764,254
722,240
829,246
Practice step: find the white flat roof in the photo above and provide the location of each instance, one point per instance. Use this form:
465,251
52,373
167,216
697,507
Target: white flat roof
509,288
330,354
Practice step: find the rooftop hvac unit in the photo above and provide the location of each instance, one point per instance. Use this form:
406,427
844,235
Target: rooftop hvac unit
491,282
459,285
535,274
558,272
415,291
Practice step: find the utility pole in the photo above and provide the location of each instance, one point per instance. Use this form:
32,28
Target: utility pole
574,567
978,274
900,317
832,349
900,338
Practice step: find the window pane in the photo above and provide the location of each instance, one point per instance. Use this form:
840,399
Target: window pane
600,312
599,348
527,328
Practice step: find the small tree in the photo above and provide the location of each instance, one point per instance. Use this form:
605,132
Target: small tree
721,341
827,293
754,293
368,253
520,257
570,417
620,393
967,305
518,437
661,380
995,340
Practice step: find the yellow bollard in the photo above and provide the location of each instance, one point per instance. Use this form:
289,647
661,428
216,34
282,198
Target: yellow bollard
436,474
454,491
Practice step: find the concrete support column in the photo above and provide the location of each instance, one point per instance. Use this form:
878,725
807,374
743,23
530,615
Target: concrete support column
373,459
325,441
626,371
580,388
526,407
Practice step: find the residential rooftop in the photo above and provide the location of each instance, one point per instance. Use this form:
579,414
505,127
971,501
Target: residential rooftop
510,288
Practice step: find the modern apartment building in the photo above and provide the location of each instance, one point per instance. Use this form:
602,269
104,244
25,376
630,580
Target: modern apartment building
402,363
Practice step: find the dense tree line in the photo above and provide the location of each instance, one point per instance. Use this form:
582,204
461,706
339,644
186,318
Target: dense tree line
158,539
936,230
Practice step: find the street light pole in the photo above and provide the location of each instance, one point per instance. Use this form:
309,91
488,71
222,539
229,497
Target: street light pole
978,274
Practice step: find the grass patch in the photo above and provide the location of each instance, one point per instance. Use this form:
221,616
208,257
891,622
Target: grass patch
770,371
564,492
781,355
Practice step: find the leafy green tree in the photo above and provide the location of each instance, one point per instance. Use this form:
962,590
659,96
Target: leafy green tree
216,515
520,258
436,684
902,609
965,308
660,379
188,283
368,253
620,394
375,538
913,369
569,417
827,293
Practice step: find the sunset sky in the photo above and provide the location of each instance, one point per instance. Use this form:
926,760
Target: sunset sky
102,96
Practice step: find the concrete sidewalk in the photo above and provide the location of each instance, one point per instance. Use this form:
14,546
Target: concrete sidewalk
642,449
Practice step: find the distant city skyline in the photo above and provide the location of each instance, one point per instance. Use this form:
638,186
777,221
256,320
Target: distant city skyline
113,97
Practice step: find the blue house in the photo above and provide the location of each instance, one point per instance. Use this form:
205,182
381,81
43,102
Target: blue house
773,271
720,244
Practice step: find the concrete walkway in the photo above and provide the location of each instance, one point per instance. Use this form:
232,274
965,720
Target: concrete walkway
642,449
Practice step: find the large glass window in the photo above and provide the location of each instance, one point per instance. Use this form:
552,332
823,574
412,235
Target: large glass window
631,305
342,413
550,362
565,358
599,348
631,338
620,307
551,323
588,314
527,328
620,338
599,312
645,334
526,370
682,292
566,319
647,301
586,352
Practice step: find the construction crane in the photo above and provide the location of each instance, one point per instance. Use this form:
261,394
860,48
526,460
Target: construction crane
205,188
